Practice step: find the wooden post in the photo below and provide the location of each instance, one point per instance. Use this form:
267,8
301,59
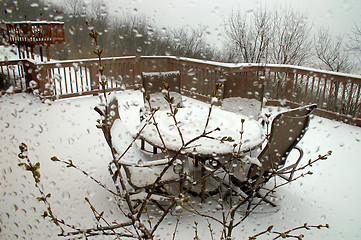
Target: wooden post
47,53
137,72
288,90
30,74
221,76
36,78
32,52
22,52
42,80
27,51
94,80
19,51
41,54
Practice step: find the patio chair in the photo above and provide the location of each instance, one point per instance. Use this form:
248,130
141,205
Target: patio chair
244,94
152,84
139,168
287,129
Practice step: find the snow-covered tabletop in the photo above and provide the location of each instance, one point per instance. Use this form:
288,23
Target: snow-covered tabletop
192,122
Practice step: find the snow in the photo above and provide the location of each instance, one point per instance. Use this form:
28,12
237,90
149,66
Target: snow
192,120
11,52
251,107
284,66
66,129
160,74
8,53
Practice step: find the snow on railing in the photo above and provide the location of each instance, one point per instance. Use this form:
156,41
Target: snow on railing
337,95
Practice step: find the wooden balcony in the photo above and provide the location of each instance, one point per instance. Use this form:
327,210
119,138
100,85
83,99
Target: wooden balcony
28,34
31,33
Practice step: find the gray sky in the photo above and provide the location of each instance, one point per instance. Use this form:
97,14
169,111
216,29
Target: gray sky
338,15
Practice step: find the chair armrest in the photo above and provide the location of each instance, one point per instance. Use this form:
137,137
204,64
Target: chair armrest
285,171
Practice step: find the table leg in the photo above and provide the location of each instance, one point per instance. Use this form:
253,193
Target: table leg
204,185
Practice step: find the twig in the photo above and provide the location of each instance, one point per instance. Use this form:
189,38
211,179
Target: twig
34,169
286,234
70,164
176,225
174,111
99,216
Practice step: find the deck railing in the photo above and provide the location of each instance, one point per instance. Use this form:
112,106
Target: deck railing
13,74
337,95
34,32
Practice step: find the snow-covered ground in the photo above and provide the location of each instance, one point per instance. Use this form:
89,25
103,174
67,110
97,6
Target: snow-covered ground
66,129
8,53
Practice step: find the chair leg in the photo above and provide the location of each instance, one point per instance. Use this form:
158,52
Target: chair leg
250,202
203,188
142,144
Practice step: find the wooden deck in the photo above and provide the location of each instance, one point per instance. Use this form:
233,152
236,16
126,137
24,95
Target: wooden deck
337,95
33,33
28,34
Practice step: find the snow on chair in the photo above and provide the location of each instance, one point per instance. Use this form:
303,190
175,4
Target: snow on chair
131,168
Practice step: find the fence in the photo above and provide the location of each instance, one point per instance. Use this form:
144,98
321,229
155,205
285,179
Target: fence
12,74
337,95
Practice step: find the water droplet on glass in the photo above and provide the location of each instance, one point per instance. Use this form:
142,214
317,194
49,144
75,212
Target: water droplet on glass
214,163
71,141
65,195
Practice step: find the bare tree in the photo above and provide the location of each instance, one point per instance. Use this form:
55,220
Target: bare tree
290,43
356,39
268,37
75,7
355,45
332,52
133,35
76,13
190,43
99,12
249,36
26,10
76,36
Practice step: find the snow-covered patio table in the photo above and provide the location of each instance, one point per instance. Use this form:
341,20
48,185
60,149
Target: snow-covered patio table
192,141
192,122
